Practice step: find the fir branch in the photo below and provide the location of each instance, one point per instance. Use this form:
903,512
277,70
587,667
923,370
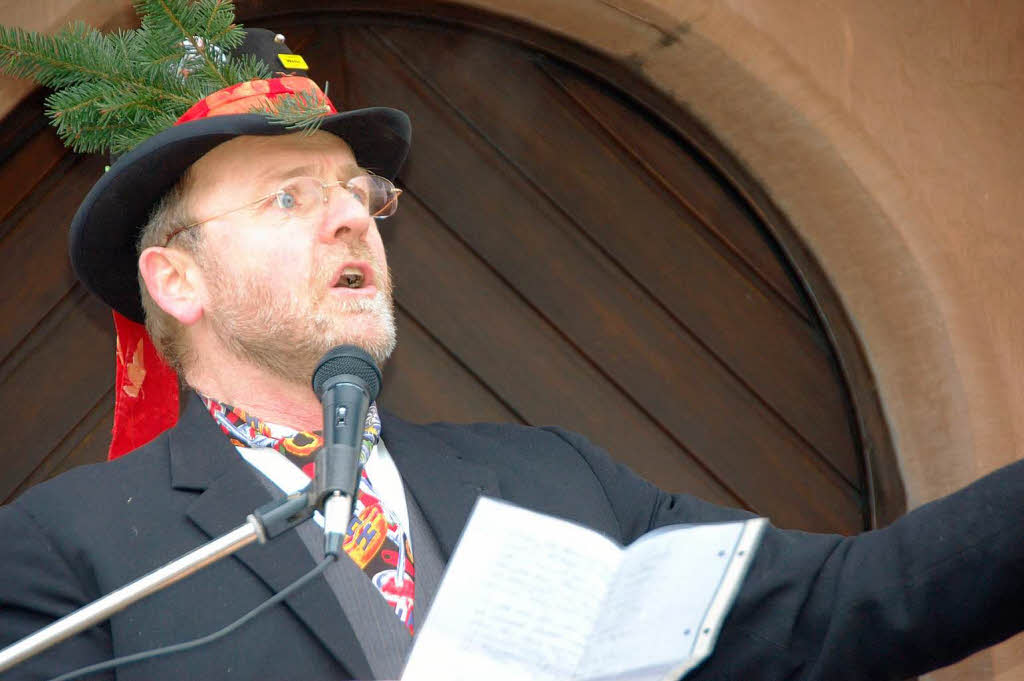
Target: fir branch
113,91
220,27
179,20
303,111
163,63
71,56
136,127
75,55
68,110
91,109
247,67
132,135
166,22
229,38
91,139
123,45
130,107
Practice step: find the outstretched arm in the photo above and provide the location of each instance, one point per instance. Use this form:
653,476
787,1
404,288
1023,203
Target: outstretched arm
937,585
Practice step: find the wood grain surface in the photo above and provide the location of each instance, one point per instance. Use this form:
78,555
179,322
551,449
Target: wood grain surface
561,256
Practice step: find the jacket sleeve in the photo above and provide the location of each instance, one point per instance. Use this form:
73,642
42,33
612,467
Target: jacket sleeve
38,585
935,586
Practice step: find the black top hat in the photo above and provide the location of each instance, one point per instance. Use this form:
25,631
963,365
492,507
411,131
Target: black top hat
106,228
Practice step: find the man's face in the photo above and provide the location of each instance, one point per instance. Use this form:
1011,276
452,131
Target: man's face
279,288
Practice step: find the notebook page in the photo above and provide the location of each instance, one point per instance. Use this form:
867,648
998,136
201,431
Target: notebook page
668,599
518,599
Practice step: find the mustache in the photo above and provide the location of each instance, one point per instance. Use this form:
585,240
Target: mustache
326,270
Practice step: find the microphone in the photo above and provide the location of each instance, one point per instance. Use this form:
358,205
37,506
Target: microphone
346,380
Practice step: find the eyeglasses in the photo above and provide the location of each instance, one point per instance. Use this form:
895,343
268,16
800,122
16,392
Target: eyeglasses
304,197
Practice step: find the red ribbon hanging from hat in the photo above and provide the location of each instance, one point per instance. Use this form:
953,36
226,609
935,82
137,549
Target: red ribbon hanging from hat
146,389
146,403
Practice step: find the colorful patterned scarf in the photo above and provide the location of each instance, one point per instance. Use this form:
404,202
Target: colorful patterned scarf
377,540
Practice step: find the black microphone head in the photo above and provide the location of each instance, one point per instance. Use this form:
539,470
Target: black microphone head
347,360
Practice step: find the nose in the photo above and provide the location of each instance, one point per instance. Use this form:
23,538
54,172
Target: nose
345,218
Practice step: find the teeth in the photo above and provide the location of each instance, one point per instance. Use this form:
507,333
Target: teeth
352,278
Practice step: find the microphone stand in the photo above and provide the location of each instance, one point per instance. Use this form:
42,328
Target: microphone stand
261,525
343,376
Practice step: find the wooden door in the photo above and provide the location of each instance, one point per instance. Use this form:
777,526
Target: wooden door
570,249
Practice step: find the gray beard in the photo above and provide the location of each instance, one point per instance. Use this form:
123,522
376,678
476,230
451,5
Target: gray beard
272,344
287,338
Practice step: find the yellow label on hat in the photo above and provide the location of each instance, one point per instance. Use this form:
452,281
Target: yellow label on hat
293,61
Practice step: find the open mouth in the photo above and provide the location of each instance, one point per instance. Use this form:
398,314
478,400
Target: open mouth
354,276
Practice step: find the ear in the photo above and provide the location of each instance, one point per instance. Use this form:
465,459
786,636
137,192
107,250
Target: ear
174,282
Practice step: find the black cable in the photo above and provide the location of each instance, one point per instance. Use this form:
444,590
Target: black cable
202,640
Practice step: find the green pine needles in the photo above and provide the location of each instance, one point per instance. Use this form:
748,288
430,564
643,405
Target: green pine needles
112,91
303,111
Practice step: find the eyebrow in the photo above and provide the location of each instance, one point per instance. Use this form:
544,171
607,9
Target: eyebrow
309,169
279,174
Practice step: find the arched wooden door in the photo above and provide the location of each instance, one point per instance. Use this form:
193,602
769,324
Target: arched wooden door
570,249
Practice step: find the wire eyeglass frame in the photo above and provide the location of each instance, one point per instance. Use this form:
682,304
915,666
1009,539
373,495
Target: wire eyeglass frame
388,203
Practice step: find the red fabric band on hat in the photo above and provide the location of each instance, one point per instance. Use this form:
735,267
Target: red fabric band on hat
146,389
245,97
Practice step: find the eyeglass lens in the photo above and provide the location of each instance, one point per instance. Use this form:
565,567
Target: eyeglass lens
304,195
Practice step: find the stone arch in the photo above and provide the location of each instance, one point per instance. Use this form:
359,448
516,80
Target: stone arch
820,171
933,353
940,376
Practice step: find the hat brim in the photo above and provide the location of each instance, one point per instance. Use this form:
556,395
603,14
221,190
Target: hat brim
105,230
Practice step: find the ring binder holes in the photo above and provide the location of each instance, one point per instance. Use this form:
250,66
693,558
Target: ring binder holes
686,633
721,554
706,632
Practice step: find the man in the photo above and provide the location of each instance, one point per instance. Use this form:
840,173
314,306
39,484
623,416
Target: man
262,255
263,295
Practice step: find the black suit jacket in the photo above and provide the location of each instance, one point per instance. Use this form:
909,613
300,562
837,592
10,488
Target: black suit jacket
937,585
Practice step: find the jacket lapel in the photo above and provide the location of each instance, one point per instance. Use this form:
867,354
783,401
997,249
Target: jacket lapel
204,461
443,483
